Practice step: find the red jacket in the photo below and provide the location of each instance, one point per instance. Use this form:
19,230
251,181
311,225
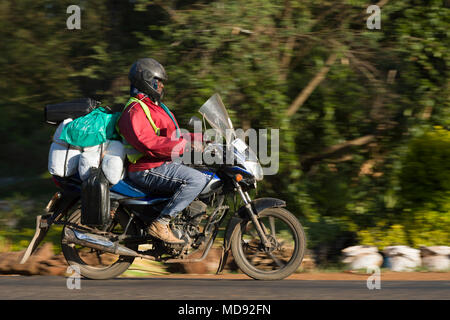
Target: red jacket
137,131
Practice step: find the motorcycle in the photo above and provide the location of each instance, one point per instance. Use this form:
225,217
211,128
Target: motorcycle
266,240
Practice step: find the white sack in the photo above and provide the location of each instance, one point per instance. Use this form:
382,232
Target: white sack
92,149
113,161
59,150
358,250
87,161
436,263
399,264
113,168
115,148
436,258
435,250
402,251
403,258
364,261
362,257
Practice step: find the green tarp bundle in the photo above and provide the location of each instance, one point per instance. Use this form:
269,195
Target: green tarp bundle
92,129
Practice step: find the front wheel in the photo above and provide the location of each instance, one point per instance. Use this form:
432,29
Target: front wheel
285,253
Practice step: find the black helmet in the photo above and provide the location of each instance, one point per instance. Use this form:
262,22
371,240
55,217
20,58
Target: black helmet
143,74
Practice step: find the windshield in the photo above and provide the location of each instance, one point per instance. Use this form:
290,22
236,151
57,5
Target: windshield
216,114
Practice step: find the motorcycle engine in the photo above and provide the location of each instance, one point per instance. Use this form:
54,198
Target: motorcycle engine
186,225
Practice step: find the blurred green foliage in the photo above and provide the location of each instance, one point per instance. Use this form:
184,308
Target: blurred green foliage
17,240
423,215
425,176
359,158
425,183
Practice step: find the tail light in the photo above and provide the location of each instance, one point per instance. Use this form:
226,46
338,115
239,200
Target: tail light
58,184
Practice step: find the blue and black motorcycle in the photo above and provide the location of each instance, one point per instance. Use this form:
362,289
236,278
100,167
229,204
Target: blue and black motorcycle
266,240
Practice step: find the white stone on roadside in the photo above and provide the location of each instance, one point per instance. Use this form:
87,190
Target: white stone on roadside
402,258
436,258
362,257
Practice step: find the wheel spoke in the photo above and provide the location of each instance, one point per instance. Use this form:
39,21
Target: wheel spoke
280,256
276,260
253,233
275,257
99,257
272,226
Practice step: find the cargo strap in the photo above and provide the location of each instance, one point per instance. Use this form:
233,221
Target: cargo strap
134,155
69,146
146,111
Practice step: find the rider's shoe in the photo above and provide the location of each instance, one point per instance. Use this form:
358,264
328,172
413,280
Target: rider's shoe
163,232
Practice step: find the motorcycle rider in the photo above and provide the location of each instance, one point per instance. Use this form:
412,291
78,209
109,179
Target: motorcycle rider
148,126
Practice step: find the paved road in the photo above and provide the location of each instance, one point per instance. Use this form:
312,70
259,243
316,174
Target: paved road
47,287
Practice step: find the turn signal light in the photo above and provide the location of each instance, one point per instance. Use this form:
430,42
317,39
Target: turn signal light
238,177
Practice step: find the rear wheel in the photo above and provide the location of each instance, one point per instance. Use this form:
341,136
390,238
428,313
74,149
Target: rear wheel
93,263
287,245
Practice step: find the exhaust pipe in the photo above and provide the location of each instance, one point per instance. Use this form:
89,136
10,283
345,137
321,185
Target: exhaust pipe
97,242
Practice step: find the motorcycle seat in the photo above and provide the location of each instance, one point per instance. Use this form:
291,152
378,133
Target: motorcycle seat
124,187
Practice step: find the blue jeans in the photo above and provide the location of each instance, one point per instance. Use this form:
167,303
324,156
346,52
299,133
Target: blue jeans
183,182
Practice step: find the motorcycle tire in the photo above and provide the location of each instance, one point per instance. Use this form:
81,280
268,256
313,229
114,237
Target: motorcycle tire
241,244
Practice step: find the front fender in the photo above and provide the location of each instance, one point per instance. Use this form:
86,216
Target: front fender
258,205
